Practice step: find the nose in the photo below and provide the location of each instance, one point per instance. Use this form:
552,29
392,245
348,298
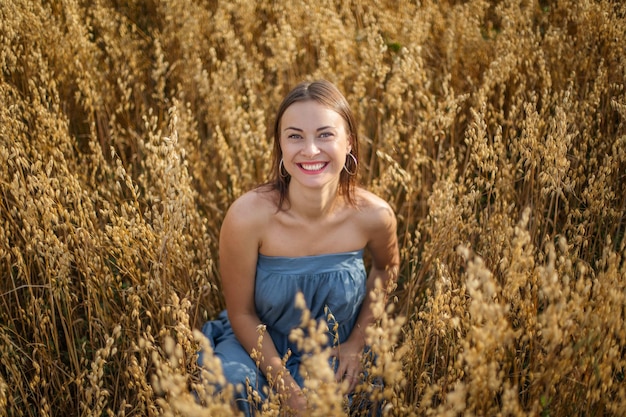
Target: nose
310,148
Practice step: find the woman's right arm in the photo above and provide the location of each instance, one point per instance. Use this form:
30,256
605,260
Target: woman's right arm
240,239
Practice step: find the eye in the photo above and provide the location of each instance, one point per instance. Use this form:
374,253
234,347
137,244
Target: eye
294,136
326,135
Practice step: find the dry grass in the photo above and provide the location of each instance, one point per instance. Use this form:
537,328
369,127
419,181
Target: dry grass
497,130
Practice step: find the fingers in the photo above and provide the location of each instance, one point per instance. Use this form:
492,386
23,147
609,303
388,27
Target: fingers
353,382
341,372
353,379
351,374
349,368
345,373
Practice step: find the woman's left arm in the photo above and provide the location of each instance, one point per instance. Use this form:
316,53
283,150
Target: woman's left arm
383,247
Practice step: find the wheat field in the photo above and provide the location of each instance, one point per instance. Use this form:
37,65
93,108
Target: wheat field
495,129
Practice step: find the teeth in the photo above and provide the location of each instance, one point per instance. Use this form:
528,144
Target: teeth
312,167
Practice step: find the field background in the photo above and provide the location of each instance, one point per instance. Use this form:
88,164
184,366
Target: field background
495,129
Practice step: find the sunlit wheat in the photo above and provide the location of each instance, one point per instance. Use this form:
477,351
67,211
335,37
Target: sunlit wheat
496,130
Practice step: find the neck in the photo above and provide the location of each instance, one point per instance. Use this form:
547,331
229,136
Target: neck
313,204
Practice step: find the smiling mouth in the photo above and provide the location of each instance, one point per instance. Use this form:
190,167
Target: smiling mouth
313,167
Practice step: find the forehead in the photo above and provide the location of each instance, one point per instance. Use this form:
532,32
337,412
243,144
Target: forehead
311,113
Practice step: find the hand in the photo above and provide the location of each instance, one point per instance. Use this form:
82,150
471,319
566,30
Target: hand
349,355
292,397
296,401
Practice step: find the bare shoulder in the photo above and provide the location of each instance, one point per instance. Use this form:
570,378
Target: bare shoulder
378,221
375,211
250,212
257,198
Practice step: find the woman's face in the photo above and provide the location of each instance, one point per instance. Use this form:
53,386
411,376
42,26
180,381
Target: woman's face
314,141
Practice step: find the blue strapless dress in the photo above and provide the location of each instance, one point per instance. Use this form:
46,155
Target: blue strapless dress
330,283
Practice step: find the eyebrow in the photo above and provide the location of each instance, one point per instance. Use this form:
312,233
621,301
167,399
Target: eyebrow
300,130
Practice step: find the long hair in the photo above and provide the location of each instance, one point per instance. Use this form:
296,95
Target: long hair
327,94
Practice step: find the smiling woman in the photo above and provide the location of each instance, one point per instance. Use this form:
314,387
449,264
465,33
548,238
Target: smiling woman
315,144
306,232
496,131
329,103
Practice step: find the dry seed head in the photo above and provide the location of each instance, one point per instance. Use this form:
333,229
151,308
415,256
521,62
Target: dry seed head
537,92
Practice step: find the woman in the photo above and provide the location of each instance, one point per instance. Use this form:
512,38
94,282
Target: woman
304,231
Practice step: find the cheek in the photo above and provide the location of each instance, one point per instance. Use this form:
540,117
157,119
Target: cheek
288,151
284,146
348,144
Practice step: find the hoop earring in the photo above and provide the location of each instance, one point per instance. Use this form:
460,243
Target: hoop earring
281,167
345,167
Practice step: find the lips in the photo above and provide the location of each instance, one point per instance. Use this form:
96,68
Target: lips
313,166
